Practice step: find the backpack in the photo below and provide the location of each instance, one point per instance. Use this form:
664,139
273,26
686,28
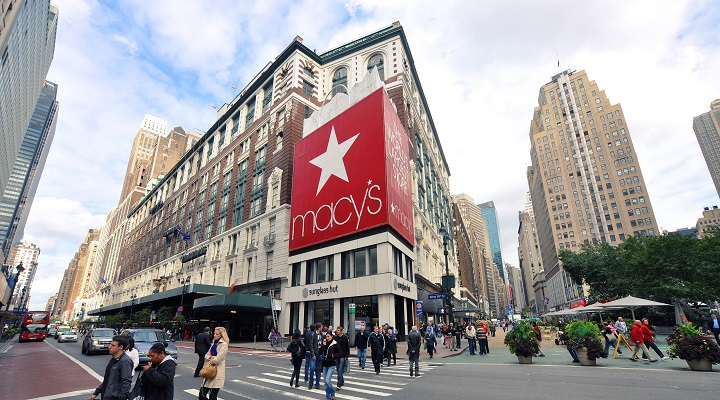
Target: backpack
296,350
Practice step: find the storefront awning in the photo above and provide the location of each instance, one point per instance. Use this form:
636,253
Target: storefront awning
234,300
193,289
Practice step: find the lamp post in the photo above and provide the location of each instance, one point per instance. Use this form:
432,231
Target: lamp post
447,283
132,303
184,283
19,269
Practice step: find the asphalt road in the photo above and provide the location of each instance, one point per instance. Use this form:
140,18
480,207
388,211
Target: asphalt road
262,375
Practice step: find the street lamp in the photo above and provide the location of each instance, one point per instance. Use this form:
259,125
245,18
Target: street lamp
19,269
447,282
132,303
184,283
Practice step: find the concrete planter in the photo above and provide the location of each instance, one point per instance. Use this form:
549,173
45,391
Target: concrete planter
582,356
524,360
700,365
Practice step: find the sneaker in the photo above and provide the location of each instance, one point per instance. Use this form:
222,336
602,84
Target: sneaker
644,359
317,386
653,360
310,386
576,361
633,359
666,358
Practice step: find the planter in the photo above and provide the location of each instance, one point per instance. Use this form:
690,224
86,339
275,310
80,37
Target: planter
700,365
582,356
525,360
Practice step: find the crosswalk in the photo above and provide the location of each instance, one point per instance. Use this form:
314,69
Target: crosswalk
360,384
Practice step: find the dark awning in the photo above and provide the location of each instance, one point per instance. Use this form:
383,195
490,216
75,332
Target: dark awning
234,300
193,289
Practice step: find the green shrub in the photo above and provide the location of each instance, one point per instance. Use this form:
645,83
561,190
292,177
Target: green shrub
522,340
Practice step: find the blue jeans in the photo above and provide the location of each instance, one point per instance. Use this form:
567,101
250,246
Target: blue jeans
327,377
309,365
341,363
362,356
318,361
471,346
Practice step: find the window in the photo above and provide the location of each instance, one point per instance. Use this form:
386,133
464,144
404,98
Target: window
250,116
339,81
295,280
267,97
319,270
308,88
377,61
357,263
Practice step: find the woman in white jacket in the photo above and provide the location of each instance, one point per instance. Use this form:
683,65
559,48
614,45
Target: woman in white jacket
216,356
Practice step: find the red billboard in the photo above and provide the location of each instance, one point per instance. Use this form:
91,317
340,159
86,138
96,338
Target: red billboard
352,174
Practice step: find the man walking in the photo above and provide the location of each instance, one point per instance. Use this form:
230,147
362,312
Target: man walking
414,342
620,329
118,373
361,343
344,343
714,325
202,346
637,336
470,335
311,354
377,348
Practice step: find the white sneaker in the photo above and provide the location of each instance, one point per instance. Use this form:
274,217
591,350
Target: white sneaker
666,358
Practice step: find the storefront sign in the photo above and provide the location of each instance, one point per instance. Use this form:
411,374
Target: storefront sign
320,290
341,186
418,308
401,286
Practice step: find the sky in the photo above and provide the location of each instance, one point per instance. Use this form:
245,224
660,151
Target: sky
481,65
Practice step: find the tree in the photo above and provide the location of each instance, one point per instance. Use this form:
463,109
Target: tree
142,316
117,319
662,268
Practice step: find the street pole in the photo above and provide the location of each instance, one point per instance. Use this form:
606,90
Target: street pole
448,291
19,269
132,303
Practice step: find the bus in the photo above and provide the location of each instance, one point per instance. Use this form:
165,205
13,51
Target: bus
34,326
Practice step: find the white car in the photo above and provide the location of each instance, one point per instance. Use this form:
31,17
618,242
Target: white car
67,336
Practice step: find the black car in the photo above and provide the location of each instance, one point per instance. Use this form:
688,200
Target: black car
97,341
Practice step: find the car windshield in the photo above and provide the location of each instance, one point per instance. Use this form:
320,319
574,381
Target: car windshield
104,333
35,328
150,336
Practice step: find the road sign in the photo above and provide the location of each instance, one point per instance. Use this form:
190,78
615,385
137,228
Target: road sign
351,308
432,296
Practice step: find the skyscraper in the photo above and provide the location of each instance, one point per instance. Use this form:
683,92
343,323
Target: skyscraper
488,211
143,150
27,254
27,45
585,181
707,130
18,196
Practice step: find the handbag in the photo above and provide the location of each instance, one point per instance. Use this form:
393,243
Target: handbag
209,371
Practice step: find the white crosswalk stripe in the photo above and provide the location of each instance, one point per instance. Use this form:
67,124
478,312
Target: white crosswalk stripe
195,393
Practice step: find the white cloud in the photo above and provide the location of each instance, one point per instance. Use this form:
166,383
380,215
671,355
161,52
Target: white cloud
480,64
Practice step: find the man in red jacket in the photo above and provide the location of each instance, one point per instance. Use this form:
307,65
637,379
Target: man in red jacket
636,335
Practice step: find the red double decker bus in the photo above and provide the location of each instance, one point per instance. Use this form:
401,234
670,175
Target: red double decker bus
34,326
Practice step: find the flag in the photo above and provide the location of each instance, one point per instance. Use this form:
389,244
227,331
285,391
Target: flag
185,236
233,286
101,281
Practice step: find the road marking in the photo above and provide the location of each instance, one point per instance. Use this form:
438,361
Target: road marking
353,377
83,366
337,395
65,395
272,390
196,393
350,381
348,388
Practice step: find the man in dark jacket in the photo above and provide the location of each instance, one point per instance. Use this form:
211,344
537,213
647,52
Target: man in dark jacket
118,373
377,348
312,344
414,343
344,343
202,346
361,342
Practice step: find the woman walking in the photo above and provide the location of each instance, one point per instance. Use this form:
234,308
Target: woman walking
430,341
216,356
158,374
331,353
297,352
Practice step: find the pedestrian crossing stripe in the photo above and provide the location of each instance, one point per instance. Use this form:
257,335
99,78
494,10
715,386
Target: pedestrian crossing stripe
337,394
346,387
196,393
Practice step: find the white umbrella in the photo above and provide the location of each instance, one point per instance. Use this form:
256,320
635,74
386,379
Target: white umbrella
632,303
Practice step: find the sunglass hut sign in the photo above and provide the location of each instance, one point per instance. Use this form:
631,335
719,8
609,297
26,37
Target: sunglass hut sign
352,174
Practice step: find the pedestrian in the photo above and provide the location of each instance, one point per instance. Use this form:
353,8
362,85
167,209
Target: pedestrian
361,343
714,325
430,341
566,340
297,354
609,333
330,354
446,334
272,336
451,337
118,373
649,336
377,347
342,362
538,334
215,356
132,352
484,347
470,335
157,378
414,342
202,345
320,337
390,346
637,336
311,345
493,326
458,336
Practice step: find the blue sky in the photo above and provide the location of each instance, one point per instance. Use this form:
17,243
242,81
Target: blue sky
480,63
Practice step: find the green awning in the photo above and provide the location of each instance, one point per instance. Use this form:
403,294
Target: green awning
234,300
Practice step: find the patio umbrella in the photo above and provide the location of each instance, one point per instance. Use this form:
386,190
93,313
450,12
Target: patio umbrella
632,303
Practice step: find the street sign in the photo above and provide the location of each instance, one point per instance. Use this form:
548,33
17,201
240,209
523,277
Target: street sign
351,308
418,308
432,296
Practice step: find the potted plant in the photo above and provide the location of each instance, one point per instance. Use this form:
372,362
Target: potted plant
585,339
522,341
687,342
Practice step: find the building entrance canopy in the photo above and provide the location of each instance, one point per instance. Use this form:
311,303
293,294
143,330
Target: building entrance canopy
192,290
234,301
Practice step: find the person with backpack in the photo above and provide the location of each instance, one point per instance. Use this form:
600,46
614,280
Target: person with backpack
297,354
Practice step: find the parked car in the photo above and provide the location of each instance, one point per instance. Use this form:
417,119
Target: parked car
145,338
59,329
97,341
67,336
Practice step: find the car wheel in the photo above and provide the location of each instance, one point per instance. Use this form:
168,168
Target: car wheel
83,349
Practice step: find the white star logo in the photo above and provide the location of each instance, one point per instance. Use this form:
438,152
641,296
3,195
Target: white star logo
331,162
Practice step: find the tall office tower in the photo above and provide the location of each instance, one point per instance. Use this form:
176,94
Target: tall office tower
139,169
493,226
27,45
516,289
585,181
76,280
530,258
469,262
707,130
489,275
19,193
27,254
50,306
